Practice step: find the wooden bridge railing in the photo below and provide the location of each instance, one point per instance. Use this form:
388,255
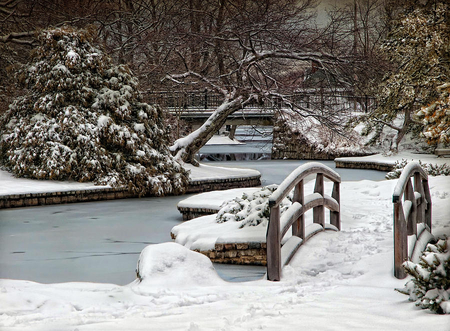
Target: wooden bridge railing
412,206
278,256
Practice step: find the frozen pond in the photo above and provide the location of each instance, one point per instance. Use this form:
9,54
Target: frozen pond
101,241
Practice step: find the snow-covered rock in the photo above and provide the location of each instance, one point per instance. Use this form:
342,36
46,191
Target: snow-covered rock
173,265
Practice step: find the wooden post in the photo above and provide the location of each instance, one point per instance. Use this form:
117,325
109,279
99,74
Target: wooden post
274,245
411,221
428,210
335,217
418,187
319,212
400,241
298,228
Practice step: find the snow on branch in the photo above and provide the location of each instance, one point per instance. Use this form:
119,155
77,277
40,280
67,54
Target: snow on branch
178,77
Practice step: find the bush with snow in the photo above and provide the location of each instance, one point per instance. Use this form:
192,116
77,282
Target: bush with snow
430,285
253,209
431,169
83,119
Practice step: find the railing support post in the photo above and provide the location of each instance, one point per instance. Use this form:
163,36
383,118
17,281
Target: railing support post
400,241
418,187
273,245
319,212
411,221
335,216
428,210
298,228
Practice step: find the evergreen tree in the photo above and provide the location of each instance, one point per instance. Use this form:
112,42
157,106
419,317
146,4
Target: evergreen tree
418,46
82,119
430,285
436,117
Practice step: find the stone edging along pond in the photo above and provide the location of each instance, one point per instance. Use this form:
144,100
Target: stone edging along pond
350,164
252,253
50,198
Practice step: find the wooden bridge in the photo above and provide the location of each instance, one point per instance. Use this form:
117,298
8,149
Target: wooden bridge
196,106
412,215
279,255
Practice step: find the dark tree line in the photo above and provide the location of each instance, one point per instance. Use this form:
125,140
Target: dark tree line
247,50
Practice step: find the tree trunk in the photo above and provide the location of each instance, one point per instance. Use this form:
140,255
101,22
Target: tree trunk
184,149
401,133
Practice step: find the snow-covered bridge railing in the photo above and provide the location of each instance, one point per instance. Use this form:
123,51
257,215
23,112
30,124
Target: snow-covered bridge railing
196,101
279,255
412,216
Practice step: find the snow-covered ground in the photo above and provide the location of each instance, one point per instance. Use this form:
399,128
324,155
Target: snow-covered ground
12,185
337,281
391,159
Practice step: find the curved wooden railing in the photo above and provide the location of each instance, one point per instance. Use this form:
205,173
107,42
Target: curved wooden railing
278,256
412,206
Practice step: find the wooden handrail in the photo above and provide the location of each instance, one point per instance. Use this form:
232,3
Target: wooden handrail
293,217
412,205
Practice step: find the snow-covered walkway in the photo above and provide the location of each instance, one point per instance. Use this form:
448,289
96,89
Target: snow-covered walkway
337,281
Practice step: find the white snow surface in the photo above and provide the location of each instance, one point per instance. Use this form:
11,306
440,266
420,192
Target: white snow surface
213,200
207,172
11,185
337,281
223,140
391,159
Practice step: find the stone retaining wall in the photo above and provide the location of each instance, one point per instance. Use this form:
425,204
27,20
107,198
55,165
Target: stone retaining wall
223,184
364,165
38,199
253,253
191,213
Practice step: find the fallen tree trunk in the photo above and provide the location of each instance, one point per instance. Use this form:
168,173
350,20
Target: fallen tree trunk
184,149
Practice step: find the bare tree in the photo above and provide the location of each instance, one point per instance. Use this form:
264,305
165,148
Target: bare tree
243,51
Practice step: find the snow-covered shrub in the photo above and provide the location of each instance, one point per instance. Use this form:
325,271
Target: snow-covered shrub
251,210
300,137
83,119
431,169
430,285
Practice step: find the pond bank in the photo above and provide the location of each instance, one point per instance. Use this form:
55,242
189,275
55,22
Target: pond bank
22,192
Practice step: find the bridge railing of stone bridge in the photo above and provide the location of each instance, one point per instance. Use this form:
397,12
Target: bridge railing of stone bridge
207,100
412,216
278,255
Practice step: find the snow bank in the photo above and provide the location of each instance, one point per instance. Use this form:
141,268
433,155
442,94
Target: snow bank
392,158
214,199
207,172
13,185
172,265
